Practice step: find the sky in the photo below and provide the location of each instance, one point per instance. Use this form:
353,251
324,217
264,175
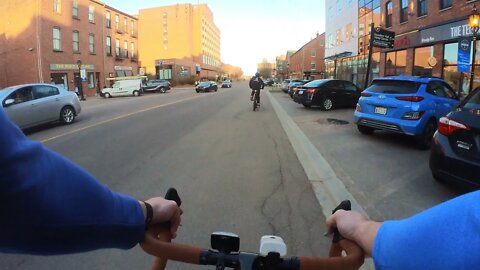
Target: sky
252,30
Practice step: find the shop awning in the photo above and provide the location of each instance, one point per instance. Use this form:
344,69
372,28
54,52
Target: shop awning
338,55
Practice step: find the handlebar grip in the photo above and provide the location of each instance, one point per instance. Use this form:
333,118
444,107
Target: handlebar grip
344,205
172,195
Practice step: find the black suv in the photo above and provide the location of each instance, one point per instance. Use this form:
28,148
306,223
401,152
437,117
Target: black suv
160,86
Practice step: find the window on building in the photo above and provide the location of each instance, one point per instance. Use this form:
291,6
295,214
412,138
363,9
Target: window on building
57,6
108,19
403,11
445,4
422,8
313,53
313,65
91,13
389,11
132,49
108,43
57,40
460,82
91,43
125,25
91,80
421,64
125,48
396,63
132,28
76,41
117,22
75,9
117,47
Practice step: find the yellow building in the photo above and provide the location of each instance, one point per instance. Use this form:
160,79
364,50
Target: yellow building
179,41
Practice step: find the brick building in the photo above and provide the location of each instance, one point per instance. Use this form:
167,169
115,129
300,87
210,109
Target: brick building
426,43
178,40
308,61
44,41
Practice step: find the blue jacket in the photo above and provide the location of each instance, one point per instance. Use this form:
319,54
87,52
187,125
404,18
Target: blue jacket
48,205
444,237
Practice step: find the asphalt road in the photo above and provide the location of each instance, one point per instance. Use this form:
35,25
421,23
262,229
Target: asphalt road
234,168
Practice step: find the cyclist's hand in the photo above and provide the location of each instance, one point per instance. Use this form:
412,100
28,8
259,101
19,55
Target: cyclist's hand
352,225
166,210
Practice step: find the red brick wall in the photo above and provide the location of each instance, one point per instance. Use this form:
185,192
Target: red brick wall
301,60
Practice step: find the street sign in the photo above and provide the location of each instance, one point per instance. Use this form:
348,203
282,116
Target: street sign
464,50
383,38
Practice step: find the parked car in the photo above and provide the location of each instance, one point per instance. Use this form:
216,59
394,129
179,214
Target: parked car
294,84
123,88
455,153
268,82
227,84
160,86
407,105
328,94
284,85
206,87
30,105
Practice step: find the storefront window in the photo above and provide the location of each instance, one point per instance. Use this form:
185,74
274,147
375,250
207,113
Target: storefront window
396,63
460,81
421,65
91,81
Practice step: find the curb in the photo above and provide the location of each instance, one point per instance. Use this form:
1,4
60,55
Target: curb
328,189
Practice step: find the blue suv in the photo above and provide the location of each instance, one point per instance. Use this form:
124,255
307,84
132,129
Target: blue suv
408,105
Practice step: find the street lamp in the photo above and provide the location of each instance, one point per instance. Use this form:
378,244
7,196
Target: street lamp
473,22
80,88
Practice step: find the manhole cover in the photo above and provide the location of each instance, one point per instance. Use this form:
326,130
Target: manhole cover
332,121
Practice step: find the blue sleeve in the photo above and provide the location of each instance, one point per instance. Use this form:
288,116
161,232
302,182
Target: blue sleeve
446,236
48,205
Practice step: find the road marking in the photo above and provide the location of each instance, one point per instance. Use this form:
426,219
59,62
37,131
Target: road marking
328,189
121,117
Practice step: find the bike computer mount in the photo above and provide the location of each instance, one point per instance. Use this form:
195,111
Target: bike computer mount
225,242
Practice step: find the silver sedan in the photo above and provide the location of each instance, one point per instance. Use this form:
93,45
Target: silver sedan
29,105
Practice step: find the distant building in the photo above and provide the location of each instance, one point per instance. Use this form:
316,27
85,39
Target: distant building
282,67
42,41
308,62
178,41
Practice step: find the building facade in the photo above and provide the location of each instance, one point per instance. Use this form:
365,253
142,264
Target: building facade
308,62
348,27
179,41
51,40
426,41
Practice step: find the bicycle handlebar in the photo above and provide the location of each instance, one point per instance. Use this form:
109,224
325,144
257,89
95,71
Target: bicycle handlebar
157,242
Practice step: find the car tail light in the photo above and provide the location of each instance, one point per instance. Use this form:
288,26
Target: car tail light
358,108
411,98
413,115
363,94
447,127
311,91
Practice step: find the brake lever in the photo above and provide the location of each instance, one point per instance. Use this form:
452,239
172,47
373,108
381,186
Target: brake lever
344,205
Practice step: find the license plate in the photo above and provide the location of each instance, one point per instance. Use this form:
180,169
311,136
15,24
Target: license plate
381,110
300,92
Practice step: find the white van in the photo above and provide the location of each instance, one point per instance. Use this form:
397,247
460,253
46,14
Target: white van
123,88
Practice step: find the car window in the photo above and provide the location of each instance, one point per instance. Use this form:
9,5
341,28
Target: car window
472,102
349,86
42,91
448,90
22,95
316,83
334,84
393,87
436,89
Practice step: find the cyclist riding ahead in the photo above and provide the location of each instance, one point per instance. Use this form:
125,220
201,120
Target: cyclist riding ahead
256,83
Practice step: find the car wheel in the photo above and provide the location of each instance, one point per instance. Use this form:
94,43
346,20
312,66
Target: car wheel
326,104
107,95
365,130
67,115
136,93
161,90
424,140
